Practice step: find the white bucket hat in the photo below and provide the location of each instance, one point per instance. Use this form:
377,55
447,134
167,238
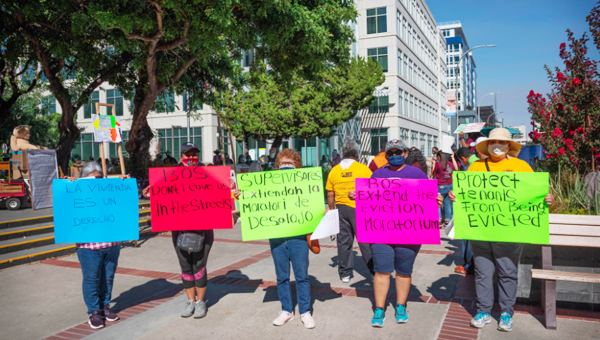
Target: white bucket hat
499,134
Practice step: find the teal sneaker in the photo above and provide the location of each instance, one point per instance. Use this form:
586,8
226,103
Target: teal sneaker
378,318
505,324
401,316
481,319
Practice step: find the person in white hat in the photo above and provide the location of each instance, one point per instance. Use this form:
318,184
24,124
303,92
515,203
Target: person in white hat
503,256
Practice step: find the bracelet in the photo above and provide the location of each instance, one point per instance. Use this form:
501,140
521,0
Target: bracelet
462,138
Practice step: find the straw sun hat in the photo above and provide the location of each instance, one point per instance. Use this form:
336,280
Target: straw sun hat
500,134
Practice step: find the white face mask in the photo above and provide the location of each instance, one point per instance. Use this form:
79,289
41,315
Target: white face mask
497,150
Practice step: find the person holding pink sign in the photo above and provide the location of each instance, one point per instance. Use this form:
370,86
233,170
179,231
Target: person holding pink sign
192,248
390,257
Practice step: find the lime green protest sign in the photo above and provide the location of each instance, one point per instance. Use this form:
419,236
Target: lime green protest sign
282,203
501,206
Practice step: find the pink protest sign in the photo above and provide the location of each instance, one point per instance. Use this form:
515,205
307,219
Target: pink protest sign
191,198
397,211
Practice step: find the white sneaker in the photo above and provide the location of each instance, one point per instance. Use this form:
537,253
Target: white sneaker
346,279
283,318
307,320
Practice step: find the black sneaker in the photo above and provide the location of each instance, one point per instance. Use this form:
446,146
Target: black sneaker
109,315
95,320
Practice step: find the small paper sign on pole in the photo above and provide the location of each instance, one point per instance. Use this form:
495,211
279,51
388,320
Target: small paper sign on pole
329,225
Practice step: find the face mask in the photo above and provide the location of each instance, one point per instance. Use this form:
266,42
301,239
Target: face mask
497,149
272,154
286,167
396,160
242,160
191,161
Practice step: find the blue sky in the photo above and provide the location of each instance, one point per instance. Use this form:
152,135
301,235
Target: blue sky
527,34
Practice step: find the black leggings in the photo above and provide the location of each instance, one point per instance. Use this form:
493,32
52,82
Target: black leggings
193,265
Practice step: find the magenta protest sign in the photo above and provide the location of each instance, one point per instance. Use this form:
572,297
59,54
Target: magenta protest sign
397,211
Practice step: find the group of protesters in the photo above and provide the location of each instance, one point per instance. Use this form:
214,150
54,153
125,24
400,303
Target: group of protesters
497,153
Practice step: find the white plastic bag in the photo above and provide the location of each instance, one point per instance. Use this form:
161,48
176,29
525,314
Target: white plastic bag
450,229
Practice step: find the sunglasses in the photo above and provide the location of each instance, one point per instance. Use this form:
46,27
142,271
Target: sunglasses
391,153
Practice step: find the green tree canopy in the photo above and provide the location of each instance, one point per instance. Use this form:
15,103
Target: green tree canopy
74,54
307,108
195,46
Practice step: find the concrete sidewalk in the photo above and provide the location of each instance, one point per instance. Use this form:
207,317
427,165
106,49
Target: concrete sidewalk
44,299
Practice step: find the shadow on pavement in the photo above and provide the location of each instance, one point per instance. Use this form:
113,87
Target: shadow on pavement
149,291
214,294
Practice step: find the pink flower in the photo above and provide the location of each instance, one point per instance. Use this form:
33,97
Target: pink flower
531,93
576,81
562,151
560,76
575,107
563,46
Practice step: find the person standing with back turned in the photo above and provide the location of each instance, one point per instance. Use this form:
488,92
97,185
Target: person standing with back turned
339,183
500,257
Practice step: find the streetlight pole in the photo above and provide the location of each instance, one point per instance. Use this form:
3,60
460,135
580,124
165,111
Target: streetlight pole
456,83
479,104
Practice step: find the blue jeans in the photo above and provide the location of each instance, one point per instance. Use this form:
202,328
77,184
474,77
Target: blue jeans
447,207
98,268
294,250
467,254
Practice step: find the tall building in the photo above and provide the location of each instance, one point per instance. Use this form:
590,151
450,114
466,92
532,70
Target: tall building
456,46
402,36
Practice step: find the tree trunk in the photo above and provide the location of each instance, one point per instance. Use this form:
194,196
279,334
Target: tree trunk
277,142
140,135
69,134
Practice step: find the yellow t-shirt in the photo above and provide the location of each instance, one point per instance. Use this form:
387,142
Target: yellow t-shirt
507,165
341,181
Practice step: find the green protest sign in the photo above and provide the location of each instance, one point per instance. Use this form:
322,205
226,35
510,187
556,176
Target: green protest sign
280,203
501,206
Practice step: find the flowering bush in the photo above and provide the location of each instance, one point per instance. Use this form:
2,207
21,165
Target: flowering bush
568,123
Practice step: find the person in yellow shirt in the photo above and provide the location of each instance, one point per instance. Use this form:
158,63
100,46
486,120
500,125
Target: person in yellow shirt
340,182
500,257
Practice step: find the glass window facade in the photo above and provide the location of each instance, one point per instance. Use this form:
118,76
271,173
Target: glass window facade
49,104
116,98
85,147
378,137
89,109
376,20
171,139
113,150
165,103
379,55
380,105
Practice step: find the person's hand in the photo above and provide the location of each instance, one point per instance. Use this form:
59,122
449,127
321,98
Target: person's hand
451,196
146,192
440,200
548,199
231,184
236,194
351,195
72,179
124,176
462,134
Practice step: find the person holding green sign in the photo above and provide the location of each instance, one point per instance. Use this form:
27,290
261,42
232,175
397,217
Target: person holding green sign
292,250
500,257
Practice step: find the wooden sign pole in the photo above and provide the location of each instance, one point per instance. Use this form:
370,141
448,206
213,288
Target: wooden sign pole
119,147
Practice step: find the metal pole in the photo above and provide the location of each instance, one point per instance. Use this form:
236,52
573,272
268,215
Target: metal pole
439,87
188,127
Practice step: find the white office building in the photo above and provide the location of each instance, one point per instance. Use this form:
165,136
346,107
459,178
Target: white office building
402,36
456,46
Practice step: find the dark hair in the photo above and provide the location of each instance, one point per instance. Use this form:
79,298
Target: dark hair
464,152
416,155
444,157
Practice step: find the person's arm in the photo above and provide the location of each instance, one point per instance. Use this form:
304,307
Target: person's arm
454,161
434,171
462,140
331,199
372,165
548,199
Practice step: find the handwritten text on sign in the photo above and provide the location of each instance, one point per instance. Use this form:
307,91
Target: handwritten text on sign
95,210
282,203
501,207
190,198
397,211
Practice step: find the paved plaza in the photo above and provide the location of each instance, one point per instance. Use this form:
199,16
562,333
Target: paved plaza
44,299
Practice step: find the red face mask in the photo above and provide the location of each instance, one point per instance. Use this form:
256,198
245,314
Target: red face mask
191,161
